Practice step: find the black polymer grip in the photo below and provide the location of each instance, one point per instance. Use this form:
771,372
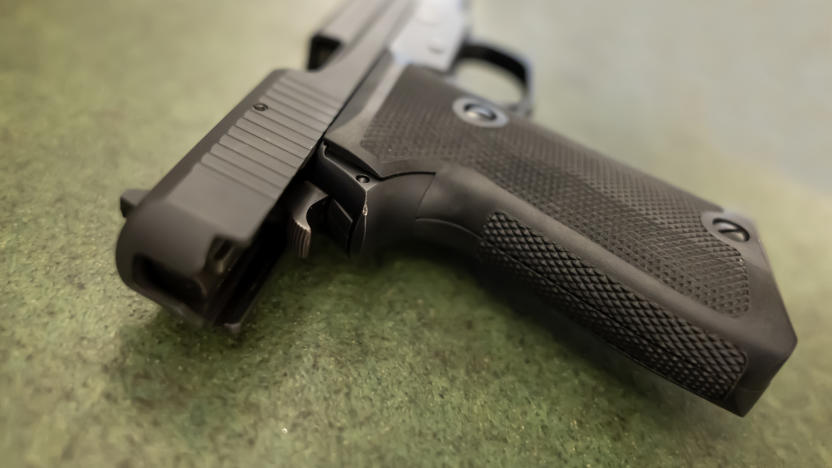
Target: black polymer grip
633,259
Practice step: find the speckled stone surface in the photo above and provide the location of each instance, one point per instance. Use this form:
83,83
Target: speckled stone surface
403,359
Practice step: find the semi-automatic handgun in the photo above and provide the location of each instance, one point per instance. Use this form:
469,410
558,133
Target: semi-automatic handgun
373,144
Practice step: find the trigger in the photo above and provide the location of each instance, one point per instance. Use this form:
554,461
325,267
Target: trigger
304,203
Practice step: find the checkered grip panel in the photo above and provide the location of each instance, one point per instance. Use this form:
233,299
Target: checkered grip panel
640,219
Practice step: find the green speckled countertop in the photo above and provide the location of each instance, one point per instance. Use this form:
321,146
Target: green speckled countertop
402,359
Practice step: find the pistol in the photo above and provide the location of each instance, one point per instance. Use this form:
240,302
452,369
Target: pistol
374,145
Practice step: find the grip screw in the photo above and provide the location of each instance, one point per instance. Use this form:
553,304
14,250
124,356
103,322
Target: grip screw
731,230
478,111
260,107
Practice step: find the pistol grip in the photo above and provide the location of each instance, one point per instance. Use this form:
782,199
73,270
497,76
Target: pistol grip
649,268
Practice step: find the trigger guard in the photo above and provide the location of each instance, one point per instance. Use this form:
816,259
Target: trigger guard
515,64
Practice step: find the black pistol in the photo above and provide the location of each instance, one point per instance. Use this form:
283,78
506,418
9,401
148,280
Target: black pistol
374,145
